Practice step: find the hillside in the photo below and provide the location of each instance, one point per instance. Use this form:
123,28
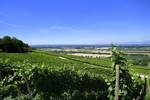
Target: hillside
42,75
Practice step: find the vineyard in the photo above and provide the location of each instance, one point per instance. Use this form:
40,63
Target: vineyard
74,49
41,75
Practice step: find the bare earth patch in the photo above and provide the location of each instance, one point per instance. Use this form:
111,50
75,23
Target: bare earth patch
90,55
104,51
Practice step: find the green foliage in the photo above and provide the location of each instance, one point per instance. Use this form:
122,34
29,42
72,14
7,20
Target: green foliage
130,84
104,62
147,97
45,76
8,44
141,70
138,59
49,83
118,57
51,60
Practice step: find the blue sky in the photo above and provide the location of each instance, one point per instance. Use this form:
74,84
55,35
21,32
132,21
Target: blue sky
75,21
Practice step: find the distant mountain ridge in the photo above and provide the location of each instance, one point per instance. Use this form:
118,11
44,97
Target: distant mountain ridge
141,43
147,43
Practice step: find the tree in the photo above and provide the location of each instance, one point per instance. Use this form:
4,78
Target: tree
8,44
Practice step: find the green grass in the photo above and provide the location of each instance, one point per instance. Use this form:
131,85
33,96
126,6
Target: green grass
91,66
141,70
53,60
106,62
50,75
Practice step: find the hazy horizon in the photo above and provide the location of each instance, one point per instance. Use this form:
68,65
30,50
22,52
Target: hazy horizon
75,21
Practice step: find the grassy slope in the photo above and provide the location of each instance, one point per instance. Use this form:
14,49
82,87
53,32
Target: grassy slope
104,62
141,70
51,60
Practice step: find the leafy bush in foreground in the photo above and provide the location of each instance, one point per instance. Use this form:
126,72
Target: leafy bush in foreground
47,83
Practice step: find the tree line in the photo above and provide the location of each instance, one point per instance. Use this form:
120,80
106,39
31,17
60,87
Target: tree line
13,45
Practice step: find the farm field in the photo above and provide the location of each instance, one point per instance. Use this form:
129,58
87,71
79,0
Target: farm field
49,59
138,55
59,62
62,69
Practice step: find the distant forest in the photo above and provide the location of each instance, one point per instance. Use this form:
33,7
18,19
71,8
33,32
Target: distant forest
13,45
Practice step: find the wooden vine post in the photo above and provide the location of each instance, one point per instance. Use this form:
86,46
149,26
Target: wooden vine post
117,82
118,60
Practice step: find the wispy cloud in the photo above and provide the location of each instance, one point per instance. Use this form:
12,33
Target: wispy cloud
10,24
